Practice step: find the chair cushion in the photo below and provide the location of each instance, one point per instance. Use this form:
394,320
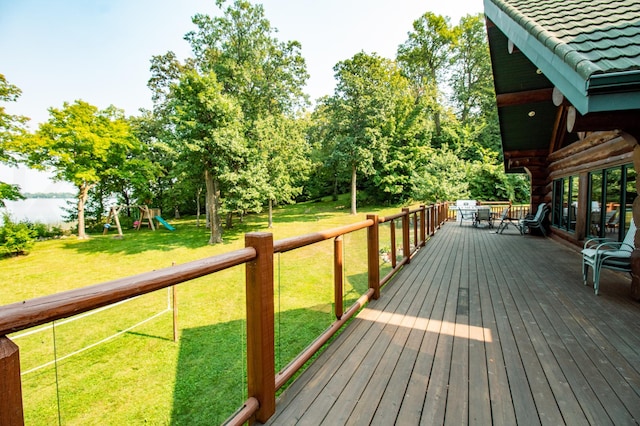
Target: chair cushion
591,253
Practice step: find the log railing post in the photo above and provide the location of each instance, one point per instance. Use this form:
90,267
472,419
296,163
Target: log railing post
337,276
260,325
373,249
392,227
406,243
432,220
423,232
10,385
415,231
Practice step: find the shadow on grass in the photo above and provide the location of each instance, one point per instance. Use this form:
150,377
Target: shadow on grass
210,383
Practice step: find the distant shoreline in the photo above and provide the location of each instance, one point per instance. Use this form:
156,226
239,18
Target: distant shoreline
54,195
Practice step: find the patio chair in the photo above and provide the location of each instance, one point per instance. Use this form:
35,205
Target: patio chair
483,213
467,215
535,222
505,221
599,253
466,210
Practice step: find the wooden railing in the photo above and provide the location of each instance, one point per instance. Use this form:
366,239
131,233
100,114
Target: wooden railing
517,211
258,255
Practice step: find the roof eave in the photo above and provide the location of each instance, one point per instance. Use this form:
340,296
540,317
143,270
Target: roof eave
595,93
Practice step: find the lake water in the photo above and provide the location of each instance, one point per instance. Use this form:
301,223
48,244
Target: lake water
42,210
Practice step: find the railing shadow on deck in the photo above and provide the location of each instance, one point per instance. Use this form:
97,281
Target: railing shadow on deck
258,256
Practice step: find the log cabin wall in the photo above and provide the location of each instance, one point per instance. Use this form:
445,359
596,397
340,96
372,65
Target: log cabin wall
595,151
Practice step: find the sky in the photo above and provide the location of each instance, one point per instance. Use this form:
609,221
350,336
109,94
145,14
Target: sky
99,50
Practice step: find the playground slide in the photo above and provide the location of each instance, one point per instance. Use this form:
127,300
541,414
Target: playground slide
164,222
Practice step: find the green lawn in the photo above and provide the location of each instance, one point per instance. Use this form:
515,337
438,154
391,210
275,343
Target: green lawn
141,375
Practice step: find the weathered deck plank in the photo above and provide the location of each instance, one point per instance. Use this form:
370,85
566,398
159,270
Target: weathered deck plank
481,328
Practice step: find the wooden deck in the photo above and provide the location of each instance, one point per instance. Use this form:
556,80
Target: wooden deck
481,329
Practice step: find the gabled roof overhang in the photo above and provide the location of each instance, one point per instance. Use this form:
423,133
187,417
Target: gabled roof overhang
533,66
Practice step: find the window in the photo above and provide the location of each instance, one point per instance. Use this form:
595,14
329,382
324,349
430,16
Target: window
611,195
565,203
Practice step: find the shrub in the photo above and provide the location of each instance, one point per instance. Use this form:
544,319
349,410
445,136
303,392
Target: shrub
43,231
16,238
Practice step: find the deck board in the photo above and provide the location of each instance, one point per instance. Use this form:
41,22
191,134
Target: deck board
480,329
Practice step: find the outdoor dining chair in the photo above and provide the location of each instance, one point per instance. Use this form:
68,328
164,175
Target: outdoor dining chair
505,221
483,213
599,253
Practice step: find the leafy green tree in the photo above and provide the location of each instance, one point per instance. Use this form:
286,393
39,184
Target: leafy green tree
266,78
408,133
81,145
424,59
443,177
283,152
263,74
11,127
471,77
361,107
208,130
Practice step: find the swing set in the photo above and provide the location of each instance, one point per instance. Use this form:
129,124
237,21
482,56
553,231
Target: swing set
146,216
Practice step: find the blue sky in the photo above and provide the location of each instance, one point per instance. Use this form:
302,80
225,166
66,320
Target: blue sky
99,50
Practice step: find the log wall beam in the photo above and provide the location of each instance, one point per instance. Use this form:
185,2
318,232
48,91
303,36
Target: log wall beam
524,97
593,140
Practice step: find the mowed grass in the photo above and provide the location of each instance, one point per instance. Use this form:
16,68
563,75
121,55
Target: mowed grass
121,365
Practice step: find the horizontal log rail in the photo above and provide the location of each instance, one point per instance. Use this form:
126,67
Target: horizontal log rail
34,312
258,257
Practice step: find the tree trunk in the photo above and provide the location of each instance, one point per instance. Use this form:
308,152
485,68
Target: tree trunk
229,223
198,207
436,120
353,190
270,213
335,188
83,195
213,206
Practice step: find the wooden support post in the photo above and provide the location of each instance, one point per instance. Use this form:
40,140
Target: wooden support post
260,325
423,231
373,248
434,218
415,231
10,385
337,276
406,243
174,299
392,226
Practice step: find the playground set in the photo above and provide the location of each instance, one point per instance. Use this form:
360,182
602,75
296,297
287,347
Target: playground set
146,217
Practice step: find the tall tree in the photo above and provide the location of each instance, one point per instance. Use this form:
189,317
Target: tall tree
208,130
11,128
361,107
425,56
471,77
80,145
265,77
284,152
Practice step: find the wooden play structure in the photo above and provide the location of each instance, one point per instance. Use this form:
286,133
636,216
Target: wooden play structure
146,218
